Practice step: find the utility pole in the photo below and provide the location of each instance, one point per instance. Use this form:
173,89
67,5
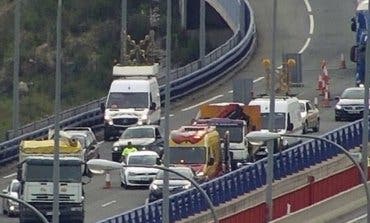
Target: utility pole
123,31
56,169
166,160
17,21
202,31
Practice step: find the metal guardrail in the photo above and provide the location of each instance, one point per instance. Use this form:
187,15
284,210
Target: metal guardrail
248,178
184,81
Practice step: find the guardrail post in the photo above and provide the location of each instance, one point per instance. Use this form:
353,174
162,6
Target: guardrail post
282,165
263,173
150,217
313,154
276,169
294,157
252,181
306,162
257,176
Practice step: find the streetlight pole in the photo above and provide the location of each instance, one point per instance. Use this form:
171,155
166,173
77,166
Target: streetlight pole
270,144
365,130
264,136
16,66
20,201
56,169
166,160
123,30
202,31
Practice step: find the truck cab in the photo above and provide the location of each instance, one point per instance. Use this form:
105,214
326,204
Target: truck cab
133,99
198,147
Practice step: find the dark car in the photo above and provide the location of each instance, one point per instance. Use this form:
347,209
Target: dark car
176,183
143,137
11,207
87,139
350,105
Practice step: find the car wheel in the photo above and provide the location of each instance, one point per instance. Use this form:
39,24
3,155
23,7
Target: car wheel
304,128
337,119
4,211
106,135
317,127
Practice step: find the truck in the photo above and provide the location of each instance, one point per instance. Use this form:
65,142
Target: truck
358,51
200,148
237,119
35,173
133,99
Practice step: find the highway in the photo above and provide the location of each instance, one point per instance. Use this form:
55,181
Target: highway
303,26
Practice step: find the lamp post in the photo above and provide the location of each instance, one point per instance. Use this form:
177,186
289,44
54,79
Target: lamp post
268,136
37,212
99,166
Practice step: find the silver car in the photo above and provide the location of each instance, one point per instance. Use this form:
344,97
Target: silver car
11,207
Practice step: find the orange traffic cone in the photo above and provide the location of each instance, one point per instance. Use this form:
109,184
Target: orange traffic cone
342,62
108,183
326,100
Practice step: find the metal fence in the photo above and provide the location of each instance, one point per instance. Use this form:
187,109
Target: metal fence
248,178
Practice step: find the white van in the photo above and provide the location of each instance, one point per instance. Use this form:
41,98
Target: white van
133,99
288,119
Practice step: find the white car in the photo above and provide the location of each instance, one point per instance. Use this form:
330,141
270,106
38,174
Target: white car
11,207
310,116
139,176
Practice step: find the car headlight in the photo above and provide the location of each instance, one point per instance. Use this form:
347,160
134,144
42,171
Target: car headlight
13,203
108,119
186,186
338,107
76,208
115,149
153,187
200,174
131,173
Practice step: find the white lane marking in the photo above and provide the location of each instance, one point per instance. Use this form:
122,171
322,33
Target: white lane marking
362,217
10,175
305,45
254,81
203,102
308,6
171,115
312,24
258,79
109,203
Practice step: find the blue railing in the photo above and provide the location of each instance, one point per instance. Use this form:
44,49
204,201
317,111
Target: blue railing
184,81
248,178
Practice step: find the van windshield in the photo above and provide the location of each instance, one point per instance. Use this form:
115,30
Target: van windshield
128,100
279,120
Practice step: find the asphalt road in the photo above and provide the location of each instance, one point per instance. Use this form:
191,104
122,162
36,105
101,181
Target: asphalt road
329,32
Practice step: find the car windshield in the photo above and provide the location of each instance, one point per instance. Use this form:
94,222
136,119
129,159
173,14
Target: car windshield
142,159
187,155
279,120
128,100
235,132
353,94
138,133
172,176
44,173
15,187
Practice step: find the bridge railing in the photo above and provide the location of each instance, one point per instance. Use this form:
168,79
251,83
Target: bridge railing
248,178
184,81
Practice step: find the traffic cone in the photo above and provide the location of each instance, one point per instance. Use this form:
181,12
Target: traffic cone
326,100
108,183
342,62
316,101
319,83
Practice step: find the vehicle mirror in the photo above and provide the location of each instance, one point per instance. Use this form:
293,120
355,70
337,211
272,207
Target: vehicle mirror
102,107
353,24
158,161
87,173
354,53
5,191
290,127
152,106
337,98
211,161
